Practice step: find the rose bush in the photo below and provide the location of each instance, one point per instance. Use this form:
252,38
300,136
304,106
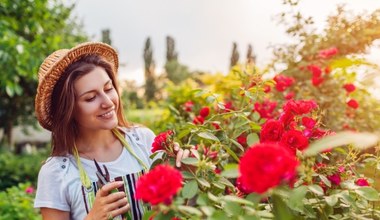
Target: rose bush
256,157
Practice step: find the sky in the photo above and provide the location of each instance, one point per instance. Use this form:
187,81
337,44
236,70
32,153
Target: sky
204,30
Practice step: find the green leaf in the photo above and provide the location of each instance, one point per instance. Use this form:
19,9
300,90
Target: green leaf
230,152
237,200
204,182
331,200
190,161
325,180
316,189
187,175
252,139
173,109
359,140
296,198
10,91
183,133
368,193
190,189
148,214
280,209
208,135
231,170
237,144
189,210
253,197
219,215
226,182
232,208
208,210
203,200
210,99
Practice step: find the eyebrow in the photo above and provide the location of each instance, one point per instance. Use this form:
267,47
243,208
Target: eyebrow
108,82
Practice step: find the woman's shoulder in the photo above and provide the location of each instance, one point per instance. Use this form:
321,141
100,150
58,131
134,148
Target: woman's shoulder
55,166
138,131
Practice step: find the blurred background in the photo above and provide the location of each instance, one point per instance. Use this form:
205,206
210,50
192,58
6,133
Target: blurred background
168,48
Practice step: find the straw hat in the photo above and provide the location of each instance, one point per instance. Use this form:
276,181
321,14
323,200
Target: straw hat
54,66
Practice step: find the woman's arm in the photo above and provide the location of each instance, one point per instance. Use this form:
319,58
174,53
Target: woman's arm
54,214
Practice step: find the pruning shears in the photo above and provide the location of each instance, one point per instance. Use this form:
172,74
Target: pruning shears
103,177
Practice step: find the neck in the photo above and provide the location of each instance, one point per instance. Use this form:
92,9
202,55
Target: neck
95,141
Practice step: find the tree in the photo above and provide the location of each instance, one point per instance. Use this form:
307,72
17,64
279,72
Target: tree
30,30
176,72
150,81
251,57
234,56
106,36
171,54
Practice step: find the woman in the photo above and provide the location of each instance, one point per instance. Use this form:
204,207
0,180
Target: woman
97,156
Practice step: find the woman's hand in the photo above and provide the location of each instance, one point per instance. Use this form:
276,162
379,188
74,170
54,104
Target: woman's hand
182,154
109,205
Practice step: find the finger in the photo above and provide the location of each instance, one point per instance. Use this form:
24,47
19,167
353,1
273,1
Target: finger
176,146
113,197
186,154
121,210
118,204
105,190
179,157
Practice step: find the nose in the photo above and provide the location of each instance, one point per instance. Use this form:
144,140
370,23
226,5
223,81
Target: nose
106,101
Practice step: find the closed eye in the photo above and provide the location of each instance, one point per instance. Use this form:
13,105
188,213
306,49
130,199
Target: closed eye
90,99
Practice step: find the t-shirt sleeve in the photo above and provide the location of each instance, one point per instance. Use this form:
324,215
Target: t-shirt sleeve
147,138
51,190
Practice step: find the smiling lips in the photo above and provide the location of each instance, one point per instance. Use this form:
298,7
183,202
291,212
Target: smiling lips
107,115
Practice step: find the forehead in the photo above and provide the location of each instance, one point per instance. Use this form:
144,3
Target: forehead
93,80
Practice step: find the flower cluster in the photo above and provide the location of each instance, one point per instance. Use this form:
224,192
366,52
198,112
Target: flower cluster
163,141
293,129
283,82
159,185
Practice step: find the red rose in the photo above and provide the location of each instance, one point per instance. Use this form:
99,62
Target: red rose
283,82
315,70
349,87
294,139
163,141
316,81
271,131
300,107
334,179
204,112
308,122
242,139
188,106
264,166
228,106
328,53
361,182
199,120
290,95
159,185
286,118
353,104
265,109
267,89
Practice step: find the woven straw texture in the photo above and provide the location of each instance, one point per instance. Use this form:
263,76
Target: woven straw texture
54,66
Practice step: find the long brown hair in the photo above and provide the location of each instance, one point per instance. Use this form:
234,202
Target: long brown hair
64,127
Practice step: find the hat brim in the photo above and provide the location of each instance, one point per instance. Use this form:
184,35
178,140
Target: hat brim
52,74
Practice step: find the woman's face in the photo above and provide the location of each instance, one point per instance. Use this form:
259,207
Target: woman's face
96,101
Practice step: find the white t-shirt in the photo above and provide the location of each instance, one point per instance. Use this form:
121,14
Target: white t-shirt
59,186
